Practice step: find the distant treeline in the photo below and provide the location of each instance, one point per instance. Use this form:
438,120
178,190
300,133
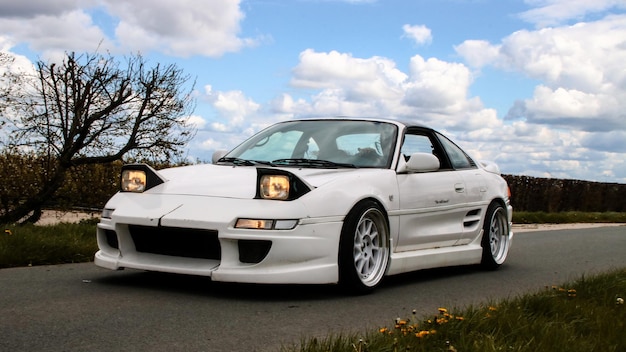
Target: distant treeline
559,195
86,186
90,186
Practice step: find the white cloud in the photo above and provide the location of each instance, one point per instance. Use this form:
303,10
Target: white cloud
361,79
47,34
418,33
180,28
15,63
437,85
233,105
235,111
611,141
478,53
581,67
196,121
554,12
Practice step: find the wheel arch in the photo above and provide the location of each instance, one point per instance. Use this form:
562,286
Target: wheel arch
345,267
506,205
377,201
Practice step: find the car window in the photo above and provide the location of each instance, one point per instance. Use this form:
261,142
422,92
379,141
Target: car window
362,149
278,145
312,149
353,143
416,143
457,157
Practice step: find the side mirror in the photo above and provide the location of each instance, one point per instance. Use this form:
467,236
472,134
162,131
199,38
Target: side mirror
421,162
218,154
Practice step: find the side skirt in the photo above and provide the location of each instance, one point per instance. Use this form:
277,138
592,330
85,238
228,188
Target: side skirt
434,258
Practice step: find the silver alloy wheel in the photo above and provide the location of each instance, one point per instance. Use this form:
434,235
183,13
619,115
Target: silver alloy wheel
499,235
371,247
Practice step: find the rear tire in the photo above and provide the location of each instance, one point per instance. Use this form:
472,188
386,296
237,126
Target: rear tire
363,248
496,240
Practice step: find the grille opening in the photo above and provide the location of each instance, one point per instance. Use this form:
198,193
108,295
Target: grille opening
111,238
253,251
177,242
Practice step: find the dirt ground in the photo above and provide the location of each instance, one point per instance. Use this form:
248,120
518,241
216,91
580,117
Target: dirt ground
51,217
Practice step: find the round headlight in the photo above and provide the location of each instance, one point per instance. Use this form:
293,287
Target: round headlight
274,187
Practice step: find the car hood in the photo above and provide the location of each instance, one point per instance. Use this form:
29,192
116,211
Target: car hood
234,181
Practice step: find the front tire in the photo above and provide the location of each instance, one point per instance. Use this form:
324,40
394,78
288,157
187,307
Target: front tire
496,239
364,248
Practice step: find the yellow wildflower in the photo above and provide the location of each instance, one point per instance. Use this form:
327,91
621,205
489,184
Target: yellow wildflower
422,333
8,232
442,310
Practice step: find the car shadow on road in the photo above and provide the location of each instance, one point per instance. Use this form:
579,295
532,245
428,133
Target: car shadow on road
187,285
203,286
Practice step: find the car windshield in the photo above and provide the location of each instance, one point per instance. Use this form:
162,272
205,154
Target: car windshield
319,144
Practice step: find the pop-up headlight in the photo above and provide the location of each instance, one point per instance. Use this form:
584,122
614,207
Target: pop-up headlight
138,178
133,181
274,187
277,184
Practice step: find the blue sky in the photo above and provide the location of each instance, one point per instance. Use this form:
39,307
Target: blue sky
539,86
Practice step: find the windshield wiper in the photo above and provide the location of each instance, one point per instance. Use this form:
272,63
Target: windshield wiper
315,163
243,162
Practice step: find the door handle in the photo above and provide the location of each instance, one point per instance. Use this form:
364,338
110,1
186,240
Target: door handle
459,188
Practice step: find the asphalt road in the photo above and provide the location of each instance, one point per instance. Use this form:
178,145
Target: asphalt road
79,307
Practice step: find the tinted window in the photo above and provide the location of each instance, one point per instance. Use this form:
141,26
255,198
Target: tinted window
416,143
457,157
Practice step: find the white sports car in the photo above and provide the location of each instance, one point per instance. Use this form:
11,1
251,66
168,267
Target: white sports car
313,201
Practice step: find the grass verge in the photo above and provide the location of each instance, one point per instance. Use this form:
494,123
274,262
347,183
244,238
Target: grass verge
568,217
586,315
27,245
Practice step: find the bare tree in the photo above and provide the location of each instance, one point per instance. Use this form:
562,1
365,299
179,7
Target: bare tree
93,109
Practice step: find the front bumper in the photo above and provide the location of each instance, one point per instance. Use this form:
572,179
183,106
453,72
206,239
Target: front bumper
306,254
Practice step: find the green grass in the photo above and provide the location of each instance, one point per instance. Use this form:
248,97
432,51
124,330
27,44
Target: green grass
27,245
582,316
525,217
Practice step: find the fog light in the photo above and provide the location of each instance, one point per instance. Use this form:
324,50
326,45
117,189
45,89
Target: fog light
264,224
254,224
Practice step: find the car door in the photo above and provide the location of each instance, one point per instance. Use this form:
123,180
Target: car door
475,189
431,203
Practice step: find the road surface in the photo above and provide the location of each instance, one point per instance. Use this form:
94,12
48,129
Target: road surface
80,307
